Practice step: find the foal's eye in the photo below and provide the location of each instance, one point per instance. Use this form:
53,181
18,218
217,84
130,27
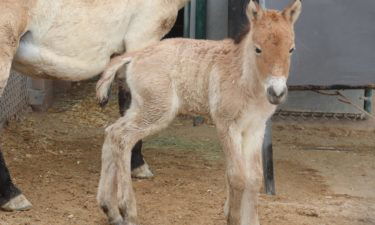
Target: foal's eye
258,50
291,50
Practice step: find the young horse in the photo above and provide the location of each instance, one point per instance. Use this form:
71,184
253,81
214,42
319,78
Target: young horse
238,84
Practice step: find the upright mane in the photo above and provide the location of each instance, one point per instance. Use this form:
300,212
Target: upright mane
245,27
241,35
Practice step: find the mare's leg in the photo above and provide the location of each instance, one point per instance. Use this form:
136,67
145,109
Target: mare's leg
244,173
13,23
140,168
11,197
14,18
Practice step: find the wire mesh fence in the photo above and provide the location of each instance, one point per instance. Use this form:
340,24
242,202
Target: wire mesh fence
312,116
14,100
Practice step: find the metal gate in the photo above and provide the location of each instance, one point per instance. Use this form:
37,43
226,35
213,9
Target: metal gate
15,98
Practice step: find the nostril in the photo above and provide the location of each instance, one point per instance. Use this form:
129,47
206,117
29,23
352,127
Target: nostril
271,92
282,93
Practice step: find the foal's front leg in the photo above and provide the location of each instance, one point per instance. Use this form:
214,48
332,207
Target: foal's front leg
252,140
244,174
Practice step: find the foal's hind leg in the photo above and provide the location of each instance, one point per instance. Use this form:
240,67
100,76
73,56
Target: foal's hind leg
107,191
155,113
140,168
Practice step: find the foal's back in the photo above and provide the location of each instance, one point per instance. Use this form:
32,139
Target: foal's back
185,66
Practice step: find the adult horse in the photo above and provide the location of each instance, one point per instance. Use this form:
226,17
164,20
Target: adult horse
74,40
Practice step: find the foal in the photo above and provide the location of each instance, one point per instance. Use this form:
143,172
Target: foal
237,83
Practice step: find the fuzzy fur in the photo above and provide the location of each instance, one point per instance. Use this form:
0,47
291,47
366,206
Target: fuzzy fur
221,79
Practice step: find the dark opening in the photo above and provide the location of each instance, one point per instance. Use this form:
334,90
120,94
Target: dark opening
178,28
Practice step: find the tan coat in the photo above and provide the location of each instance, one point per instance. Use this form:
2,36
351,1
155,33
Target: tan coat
236,84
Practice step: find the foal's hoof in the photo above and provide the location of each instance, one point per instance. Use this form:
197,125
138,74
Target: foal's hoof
119,222
18,203
142,172
122,222
103,102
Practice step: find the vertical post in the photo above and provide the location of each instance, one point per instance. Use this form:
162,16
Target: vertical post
200,33
368,100
267,153
187,13
201,19
40,93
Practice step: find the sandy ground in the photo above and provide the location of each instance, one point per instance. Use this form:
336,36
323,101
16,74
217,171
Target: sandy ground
325,171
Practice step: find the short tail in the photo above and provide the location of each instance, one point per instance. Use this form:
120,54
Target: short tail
103,86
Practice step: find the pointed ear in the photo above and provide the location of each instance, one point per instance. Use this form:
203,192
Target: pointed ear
292,12
254,11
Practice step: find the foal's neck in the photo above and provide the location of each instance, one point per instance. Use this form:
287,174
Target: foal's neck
248,77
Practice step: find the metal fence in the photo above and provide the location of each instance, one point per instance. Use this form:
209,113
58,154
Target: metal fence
15,98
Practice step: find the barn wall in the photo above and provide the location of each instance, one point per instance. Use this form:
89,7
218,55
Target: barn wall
332,48
322,59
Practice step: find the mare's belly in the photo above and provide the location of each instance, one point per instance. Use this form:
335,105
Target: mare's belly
43,62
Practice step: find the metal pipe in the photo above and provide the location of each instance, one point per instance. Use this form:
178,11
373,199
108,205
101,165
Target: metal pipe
368,100
187,14
328,87
201,19
200,33
267,157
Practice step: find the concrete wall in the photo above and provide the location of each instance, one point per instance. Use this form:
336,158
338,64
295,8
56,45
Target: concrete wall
306,101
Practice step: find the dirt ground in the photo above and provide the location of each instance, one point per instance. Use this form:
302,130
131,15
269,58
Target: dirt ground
325,171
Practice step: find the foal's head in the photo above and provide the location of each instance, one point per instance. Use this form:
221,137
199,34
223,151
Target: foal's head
271,42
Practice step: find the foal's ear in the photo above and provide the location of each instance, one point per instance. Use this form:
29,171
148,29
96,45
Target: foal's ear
254,11
292,12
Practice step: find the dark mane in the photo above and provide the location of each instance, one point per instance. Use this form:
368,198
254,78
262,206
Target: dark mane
245,26
241,35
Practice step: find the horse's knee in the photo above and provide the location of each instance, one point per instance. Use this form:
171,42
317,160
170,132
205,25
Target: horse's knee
237,180
114,135
245,180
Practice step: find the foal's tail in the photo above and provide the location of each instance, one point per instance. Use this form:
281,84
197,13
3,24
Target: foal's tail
103,86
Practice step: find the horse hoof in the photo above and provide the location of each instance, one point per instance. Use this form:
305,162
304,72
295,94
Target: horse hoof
142,172
117,223
103,102
18,203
